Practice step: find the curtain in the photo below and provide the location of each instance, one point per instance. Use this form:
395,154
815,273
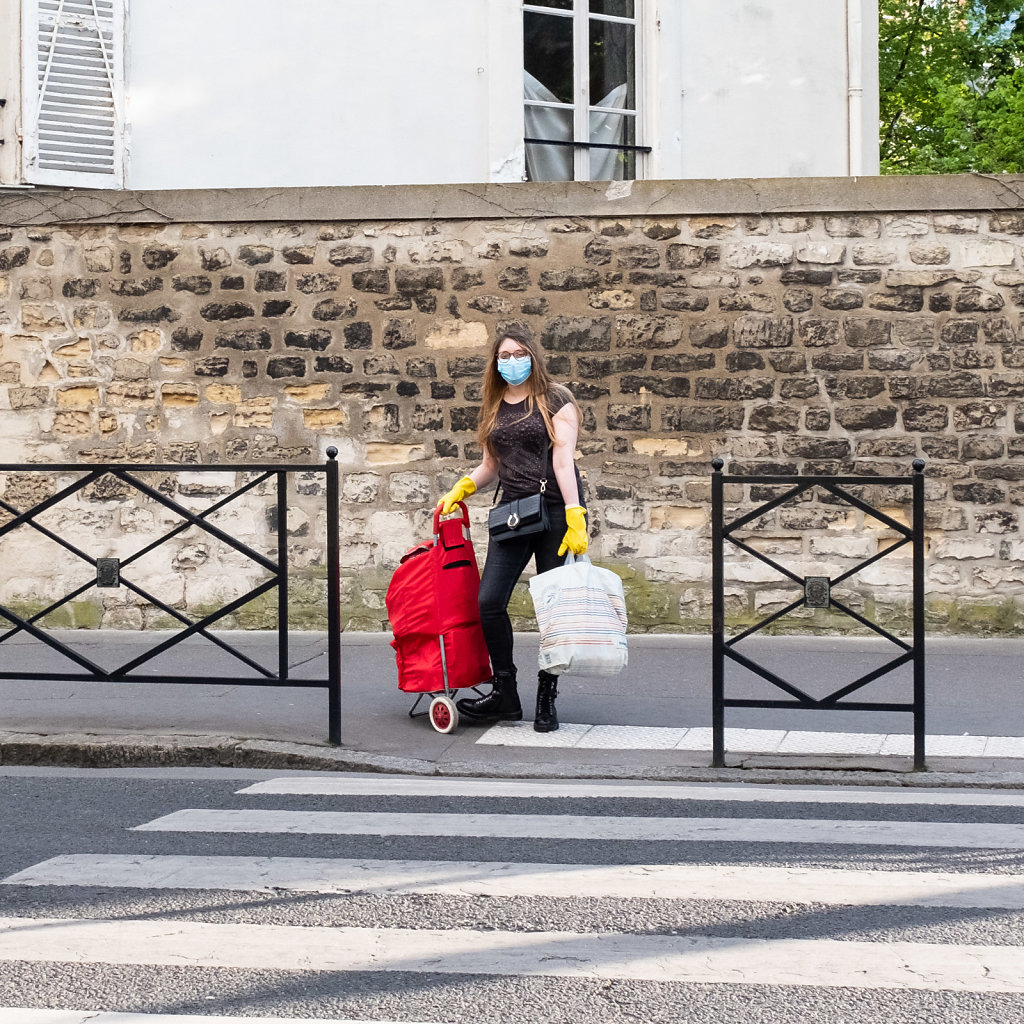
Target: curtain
555,163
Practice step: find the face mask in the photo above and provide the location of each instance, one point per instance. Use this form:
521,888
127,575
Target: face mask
515,370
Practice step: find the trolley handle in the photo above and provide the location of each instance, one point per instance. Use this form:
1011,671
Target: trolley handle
465,521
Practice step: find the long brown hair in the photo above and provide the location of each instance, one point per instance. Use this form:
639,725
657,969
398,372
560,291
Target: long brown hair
539,383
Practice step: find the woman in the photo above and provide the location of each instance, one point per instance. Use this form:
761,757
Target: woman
528,430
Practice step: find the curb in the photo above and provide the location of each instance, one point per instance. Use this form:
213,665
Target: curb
147,751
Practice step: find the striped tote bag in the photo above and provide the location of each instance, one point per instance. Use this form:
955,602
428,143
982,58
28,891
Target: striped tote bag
581,614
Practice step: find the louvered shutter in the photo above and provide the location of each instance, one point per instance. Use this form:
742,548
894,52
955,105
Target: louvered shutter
74,84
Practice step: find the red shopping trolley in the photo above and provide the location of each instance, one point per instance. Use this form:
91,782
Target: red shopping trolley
432,607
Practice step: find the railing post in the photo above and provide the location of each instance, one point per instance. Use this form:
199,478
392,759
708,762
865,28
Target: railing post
282,575
918,574
717,620
333,600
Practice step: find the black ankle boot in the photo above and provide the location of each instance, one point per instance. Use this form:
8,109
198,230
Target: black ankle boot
546,718
500,705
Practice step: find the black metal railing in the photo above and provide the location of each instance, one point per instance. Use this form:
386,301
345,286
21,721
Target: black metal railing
110,572
817,593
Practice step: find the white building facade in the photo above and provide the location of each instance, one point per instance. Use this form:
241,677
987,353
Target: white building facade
175,94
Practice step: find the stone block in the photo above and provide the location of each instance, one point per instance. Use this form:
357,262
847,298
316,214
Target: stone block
217,311
399,333
758,254
361,488
928,254
997,330
78,397
819,333
978,300
709,279
684,301
867,332
904,299
251,255
667,387
577,334
987,253
841,298
255,412
734,389
843,547
800,387
130,395
628,417
774,418
874,255
248,340
213,366
41,317
866,417
456,333
798,300
181,395
914,331
747,301
853,227
923,417
223,394
514,279
697,420
709,334
409,488
979,493
821,252
286,366
755,331
981,448
741,362
612,299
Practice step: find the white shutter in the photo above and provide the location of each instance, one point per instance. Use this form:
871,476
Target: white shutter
73,88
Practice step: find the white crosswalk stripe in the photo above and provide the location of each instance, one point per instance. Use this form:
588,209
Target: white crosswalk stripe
606,955
980,881
748,883
344,785
594,827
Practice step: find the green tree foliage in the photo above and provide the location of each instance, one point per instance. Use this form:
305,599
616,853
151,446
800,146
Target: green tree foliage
952,86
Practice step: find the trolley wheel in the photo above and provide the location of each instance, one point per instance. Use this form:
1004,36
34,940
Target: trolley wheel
444,715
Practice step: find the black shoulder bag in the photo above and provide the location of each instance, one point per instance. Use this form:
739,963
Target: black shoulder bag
522,516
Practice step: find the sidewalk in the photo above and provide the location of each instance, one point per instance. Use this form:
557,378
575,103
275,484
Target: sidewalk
651,722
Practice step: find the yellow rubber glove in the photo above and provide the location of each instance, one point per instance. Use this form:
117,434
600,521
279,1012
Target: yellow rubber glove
575,539
462,489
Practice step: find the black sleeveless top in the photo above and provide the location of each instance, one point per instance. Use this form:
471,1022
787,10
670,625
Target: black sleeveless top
520,443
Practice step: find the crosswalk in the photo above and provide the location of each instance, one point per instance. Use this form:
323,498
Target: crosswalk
400,899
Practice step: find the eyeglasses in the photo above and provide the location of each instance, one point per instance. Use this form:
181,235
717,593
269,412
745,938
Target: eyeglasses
504,357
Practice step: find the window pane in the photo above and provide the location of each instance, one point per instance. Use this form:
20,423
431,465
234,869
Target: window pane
549,163
612,65
615,130
563,5
618,8
547,52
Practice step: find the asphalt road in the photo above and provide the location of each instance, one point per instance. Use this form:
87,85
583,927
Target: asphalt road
965,841
973,687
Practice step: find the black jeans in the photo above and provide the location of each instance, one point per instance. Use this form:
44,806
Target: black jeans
505,563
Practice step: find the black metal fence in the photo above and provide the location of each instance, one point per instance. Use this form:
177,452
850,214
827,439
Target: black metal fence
817,593
111,572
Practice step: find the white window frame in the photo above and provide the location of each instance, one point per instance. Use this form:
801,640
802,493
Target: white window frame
36,26
580,13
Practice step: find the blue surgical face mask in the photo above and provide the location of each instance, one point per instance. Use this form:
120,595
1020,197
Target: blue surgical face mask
515,370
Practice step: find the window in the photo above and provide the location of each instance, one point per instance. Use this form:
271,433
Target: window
580,89
72,92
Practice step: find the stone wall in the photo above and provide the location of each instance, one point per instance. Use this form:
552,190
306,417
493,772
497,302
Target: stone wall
819,326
